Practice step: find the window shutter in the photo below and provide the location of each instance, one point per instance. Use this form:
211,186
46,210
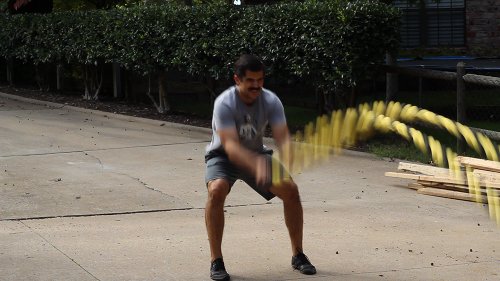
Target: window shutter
436,23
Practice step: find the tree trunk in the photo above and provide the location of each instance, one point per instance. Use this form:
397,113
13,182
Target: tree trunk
148,93
60,78
42,77
117,81
86,82
126,85
98,82
38,78
10,68
162,105
162,92
211,86
93,82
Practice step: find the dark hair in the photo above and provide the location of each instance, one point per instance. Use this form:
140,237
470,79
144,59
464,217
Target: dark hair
247,62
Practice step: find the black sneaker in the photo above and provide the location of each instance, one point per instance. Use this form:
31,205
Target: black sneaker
218,271
302,263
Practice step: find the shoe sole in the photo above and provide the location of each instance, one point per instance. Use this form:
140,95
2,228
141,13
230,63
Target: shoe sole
305,273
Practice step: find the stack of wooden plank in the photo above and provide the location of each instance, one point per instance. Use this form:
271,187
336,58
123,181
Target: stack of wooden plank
478,180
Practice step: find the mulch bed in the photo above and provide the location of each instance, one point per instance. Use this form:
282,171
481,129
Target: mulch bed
115,106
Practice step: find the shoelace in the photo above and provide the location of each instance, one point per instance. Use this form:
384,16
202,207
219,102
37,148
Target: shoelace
303,258
218,264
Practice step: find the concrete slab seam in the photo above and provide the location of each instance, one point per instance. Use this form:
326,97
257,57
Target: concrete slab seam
59,250
130,212
99,149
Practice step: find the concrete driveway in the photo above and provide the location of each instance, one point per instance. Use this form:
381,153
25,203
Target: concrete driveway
87,195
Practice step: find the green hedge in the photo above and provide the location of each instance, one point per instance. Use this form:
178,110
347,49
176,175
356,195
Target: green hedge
327,43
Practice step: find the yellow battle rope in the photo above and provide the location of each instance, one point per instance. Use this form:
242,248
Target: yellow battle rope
329,134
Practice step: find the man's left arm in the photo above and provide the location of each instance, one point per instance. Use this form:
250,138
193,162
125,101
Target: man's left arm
282,138
281,133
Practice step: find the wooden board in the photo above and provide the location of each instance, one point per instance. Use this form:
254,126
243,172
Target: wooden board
439,179
451,194
415,186
423,169
487,175
480,163
452,187
440,182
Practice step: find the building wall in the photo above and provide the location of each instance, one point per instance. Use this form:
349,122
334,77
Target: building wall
483,26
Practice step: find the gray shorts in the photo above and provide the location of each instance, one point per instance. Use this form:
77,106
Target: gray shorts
219,167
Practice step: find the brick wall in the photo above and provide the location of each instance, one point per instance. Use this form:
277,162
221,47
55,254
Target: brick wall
483,26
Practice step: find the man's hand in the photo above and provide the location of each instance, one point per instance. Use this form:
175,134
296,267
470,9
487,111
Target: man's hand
254,163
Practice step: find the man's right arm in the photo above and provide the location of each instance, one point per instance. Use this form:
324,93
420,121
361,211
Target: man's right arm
254,163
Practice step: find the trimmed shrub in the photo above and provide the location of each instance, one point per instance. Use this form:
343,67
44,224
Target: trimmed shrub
333,44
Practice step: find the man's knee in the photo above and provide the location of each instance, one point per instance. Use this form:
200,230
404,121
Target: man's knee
287,191
218,190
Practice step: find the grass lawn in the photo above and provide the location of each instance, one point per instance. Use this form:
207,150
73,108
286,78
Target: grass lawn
392,145
396,147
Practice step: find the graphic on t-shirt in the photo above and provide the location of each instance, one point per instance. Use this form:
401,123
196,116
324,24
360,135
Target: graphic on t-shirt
247,130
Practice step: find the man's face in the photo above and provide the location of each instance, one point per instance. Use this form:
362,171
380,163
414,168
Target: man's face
250,85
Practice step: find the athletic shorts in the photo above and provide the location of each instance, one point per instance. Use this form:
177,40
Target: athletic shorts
219,167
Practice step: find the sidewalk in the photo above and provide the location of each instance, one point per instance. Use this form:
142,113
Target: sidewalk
87,195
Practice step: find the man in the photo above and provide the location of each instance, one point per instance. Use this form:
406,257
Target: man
240,116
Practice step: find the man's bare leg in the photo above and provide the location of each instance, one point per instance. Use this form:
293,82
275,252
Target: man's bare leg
214,215
294,218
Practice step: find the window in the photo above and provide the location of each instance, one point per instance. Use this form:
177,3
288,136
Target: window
432,23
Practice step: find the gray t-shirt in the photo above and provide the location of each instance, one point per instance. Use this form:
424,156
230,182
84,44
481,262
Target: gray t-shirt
250,121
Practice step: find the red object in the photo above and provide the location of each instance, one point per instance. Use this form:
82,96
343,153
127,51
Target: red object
30,6
19,3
